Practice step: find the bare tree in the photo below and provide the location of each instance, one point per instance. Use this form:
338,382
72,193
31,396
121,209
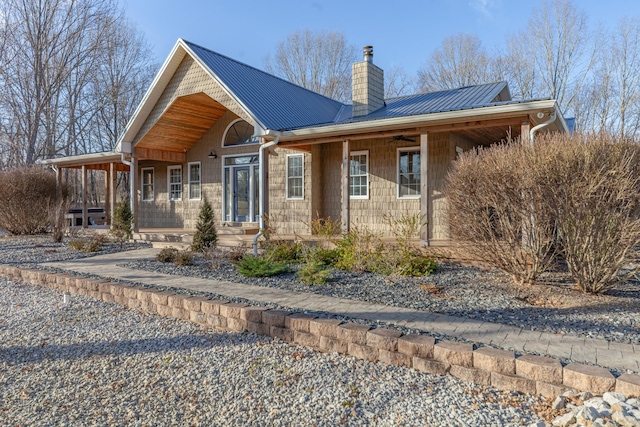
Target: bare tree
563,49
319,61
460,61
398,83
64,62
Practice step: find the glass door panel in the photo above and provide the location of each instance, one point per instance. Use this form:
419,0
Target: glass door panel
241,194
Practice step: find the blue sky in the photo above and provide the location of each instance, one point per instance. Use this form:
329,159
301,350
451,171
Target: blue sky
402,32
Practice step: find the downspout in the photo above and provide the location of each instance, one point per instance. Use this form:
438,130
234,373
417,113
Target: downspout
263,185
131,184
535,129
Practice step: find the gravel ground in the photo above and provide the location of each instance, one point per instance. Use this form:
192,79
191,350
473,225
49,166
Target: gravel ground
95,363
29,251
464,291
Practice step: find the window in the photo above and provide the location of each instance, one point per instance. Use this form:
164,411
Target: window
295,176
239,132
147,184
194,181
359,175
409,172
175,182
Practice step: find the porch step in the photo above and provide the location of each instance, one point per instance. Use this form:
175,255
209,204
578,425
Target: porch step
227,237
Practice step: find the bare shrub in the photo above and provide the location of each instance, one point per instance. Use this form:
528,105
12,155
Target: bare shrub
499,208
597,206
30,201
516,206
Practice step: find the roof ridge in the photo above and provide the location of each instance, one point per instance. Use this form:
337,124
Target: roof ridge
445,90
191,44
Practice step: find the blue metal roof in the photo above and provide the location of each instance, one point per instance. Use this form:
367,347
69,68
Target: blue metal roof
276,103
282,105
434,102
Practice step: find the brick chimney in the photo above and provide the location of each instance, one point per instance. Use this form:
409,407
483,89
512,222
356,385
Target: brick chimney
367,90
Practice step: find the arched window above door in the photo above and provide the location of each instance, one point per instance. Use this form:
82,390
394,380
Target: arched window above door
239,132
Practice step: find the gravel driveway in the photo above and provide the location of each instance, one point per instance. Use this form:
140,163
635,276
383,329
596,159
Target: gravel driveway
95,363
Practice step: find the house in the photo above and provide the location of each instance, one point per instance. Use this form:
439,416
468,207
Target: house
255,144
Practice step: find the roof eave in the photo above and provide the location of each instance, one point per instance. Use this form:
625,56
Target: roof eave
84,159
422,120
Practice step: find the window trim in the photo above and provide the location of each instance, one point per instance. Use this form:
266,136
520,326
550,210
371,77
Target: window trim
142,184
224,136
359,153
189,179
169,168
288,197
401,150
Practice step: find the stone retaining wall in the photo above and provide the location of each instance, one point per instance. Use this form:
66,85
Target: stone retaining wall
489,366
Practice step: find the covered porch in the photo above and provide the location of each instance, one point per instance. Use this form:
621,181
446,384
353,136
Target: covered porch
110,163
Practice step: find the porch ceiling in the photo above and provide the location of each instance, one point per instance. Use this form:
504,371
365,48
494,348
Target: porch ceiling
183,123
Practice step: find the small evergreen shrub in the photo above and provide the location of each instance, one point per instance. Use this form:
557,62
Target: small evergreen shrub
314,273
167,254
286,251
121,226
251,266
183,258
206,235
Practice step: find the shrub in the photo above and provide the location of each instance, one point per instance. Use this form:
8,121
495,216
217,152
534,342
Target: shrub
358,250
325,228
121,225
314,273
206,235
251,266
415,264
77,244
327,256
407,259
183,258
167,254
596,206
93,244
499,208
286,251
31,203
516,206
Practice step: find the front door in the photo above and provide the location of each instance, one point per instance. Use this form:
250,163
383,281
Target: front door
241,199
240,188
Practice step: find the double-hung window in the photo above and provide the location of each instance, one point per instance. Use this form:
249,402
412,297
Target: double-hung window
359,175
409,172
295,176
147,184
195,182
174,174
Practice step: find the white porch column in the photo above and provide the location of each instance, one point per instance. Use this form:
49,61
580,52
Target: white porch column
425,193
345,214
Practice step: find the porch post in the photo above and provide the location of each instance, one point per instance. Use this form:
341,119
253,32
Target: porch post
525,127
345,187
113,177
425,198
85,216
107,191
133,178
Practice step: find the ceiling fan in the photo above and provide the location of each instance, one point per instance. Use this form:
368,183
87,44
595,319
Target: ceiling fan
402,138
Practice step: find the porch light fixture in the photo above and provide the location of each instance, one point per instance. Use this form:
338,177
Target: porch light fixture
213,155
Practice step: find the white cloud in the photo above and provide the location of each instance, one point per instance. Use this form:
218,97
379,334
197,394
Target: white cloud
485,7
